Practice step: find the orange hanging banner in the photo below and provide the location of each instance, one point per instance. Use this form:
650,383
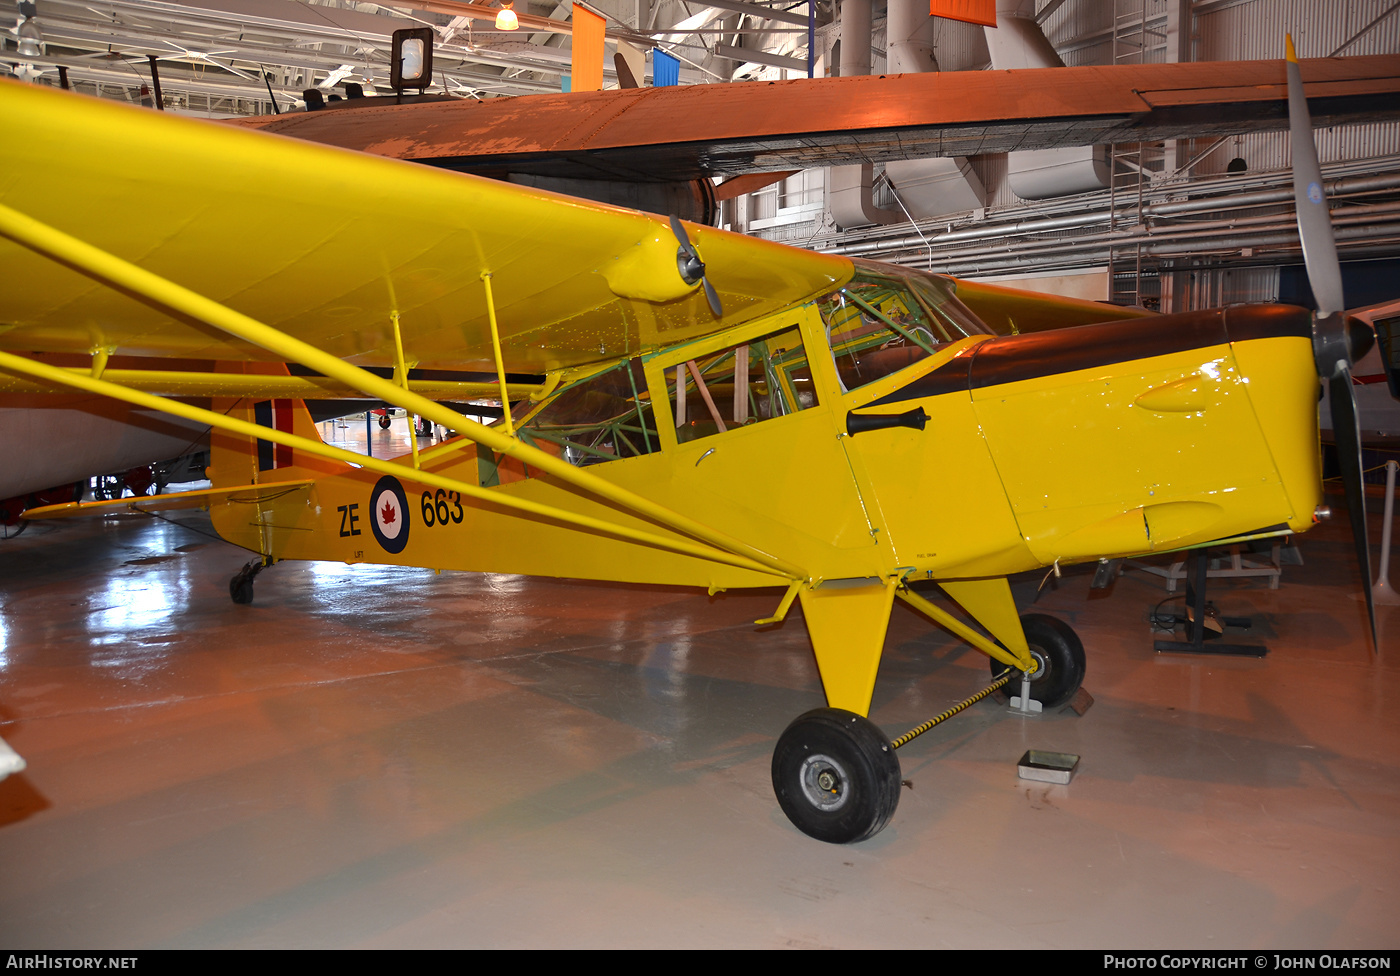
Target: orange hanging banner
982,12
587,73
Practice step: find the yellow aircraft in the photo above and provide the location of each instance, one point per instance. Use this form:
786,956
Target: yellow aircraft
705,409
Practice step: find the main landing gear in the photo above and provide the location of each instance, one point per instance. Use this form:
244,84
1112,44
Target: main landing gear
1060,654
836,774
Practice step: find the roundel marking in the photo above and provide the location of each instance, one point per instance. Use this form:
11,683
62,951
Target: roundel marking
389,514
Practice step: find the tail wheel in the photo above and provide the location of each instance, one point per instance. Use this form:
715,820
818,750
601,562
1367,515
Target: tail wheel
1060,656
240,588
836,776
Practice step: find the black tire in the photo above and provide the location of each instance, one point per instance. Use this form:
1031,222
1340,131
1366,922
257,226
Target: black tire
836,776
384,422
1057,648
241,589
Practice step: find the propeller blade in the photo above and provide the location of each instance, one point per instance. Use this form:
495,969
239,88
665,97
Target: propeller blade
712,297
1346,428
678,229
1314,219
691,268
1336,342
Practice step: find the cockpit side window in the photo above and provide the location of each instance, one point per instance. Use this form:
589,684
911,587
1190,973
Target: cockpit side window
745,384
878,324
940,297
602,418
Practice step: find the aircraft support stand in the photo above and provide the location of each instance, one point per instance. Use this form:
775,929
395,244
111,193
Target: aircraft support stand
1195,621
1022,701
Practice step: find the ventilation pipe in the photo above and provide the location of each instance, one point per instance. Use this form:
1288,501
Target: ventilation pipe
941,185
1018,42
926,187
851,188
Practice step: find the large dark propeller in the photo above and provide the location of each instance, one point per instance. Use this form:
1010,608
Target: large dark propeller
690,266
1338,341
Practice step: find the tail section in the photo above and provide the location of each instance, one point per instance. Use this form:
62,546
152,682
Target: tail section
238,459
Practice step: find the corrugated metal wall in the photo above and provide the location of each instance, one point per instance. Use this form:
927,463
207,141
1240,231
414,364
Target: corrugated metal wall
1212,287
1266,151
1083,32
1244,30
1241,30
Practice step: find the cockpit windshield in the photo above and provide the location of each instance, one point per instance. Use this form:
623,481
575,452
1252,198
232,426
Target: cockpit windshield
886,318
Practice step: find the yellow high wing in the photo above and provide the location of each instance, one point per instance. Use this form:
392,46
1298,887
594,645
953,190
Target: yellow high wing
325,245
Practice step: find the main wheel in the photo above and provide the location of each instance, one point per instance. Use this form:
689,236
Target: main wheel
241,589
1057,649
384,422
836,776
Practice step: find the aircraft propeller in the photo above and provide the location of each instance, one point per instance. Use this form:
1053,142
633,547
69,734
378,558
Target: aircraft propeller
1338,340
690,266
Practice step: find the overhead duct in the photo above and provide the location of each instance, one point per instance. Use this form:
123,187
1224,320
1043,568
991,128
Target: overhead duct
941,185
925,187
1018,42
1245,228
851,188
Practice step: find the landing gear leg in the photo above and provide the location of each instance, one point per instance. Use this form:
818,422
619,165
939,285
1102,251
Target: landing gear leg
241,586
836,776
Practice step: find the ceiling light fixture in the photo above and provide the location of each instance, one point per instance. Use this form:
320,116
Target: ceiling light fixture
506,19
30,40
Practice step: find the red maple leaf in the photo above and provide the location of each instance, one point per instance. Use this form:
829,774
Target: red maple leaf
386,514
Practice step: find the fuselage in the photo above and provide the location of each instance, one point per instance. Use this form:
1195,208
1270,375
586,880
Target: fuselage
1106,440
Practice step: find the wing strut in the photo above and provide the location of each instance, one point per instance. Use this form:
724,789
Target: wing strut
167,295
55,375
402,377
496,349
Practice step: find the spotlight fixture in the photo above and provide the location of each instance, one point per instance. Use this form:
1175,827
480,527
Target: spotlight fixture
411,58
29,40
506,19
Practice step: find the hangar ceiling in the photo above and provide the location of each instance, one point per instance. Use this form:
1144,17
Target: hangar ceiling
234,57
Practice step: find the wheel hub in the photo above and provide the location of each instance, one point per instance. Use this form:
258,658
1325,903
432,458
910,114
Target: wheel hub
824,783
1042,664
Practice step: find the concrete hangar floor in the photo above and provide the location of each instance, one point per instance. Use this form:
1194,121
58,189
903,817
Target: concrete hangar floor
377,757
